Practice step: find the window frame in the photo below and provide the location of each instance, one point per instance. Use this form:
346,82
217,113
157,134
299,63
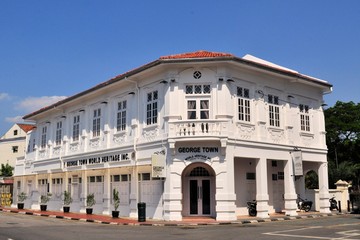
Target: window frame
15,149
75,135
43,137
274,110
243,104
121,115
198,110
58,133
305,124
152,107
96,122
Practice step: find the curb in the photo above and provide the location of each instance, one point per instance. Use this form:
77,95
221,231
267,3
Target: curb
173,224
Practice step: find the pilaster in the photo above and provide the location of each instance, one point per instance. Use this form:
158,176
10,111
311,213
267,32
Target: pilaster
262,196
290,195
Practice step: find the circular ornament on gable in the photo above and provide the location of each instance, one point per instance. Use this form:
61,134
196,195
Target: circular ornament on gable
197,74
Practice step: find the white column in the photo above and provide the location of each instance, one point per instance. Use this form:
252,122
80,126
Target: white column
262,196
323,188
290,195
107,193
84,191
173,195
134,193
225,189
35,204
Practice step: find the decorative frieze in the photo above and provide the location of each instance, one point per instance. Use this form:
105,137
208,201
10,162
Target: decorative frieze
119,138
276,135
245,131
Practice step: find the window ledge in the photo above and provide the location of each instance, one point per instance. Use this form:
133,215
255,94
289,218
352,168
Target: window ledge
120,133
275,129
307,134
245,124
151,127
95,138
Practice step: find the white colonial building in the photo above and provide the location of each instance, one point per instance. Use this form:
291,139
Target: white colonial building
194,134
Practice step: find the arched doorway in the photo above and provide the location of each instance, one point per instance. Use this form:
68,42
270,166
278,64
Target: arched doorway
198,190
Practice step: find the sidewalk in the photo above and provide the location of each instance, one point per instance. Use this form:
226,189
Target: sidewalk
105,219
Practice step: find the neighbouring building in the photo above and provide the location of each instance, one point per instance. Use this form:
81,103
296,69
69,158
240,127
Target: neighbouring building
13,143
193,134
12,148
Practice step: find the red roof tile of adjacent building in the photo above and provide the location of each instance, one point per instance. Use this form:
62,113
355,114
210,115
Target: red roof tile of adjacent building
198,54
26,127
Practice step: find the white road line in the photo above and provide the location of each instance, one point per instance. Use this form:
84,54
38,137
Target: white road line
287,233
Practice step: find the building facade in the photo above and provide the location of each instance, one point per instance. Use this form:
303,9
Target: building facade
193,134
13,143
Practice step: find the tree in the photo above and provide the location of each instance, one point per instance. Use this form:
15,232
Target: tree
342,123
6,170
311,180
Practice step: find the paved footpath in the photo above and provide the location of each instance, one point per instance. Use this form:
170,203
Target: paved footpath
106,219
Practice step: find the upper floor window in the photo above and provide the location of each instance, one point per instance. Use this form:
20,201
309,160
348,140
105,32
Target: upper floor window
15,149
58,134
274,110
198,89
31,145
152,108
76,128
198,108
121,116
243,104
15,132
43,137
304,118
96,122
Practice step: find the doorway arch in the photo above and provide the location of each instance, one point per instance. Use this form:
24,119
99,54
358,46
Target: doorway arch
198,190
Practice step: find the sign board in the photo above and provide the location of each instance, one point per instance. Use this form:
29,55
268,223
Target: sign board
297,160
158,166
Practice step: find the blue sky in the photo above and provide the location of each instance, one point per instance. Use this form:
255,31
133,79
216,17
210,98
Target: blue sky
52,49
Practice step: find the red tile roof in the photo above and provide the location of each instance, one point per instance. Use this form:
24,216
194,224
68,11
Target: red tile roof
198,54
26,127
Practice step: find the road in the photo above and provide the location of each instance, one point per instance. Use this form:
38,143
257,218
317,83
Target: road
28,227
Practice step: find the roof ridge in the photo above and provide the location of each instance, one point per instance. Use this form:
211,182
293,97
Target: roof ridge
197,54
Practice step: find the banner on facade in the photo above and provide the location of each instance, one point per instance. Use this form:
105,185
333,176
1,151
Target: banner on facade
297,160
158,165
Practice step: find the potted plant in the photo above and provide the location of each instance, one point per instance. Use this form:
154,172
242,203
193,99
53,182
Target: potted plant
21,198
116,203
90,201
67,201
44,199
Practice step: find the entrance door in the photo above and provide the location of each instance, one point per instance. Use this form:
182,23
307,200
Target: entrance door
199,197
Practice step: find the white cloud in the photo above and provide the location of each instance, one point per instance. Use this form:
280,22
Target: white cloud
4,96
17,119
32,104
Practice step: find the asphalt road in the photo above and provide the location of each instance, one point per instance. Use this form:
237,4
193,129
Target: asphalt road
26,227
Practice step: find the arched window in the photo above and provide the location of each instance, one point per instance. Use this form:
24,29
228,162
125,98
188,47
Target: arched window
199,172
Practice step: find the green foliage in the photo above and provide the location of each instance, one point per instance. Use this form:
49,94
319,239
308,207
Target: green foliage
67,198
45,198
22,197
342,122
347,171
116,199
6,170
90,200
311,180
